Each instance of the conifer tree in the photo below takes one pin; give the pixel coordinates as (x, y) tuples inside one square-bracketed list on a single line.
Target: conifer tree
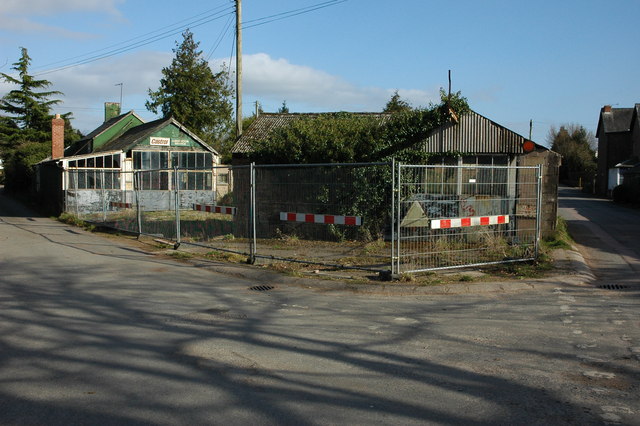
[(192, 94), (28, 105)]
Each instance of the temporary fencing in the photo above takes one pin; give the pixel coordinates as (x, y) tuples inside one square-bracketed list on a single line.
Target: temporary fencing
[(460, 216), (371, 216)]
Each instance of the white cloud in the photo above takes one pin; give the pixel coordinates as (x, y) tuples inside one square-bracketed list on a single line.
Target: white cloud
[(23, 25), (87, 87), (18, 15), (268, 80), (49, 7), (272, 80)]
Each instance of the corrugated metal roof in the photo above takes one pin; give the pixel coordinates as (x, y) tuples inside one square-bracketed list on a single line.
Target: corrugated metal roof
[(266, 123), (475, 134)]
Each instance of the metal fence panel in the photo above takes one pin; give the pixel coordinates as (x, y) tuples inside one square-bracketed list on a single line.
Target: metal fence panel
[(217, 218), (456, 216), (335, 214), (342, 215), (98, 196)]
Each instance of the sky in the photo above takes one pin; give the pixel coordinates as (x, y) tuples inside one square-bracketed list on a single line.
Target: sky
[(553, 62)]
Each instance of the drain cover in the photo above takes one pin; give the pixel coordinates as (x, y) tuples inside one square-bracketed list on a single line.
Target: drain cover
[(613, 286), (261, 288)]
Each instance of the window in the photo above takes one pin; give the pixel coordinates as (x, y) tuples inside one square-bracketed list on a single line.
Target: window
[(192, 160), (195, 181), (223, 179), (150, 160), (153, 180)]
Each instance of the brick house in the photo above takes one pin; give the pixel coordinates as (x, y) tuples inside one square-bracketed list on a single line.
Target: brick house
[(618, 136)]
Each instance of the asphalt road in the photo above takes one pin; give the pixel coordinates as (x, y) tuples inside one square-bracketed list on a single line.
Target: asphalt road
[(608, 235), (95, 331)]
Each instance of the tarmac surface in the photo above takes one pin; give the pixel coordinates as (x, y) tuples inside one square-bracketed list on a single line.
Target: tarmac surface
[(95, 330)]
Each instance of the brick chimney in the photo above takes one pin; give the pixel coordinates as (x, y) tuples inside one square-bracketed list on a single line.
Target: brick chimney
[(606, 108), (57, 137)]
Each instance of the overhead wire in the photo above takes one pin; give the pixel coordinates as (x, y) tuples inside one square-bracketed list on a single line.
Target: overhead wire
[(295, 12), (176, 29), (144, 42), (164, 29), (221, 37)]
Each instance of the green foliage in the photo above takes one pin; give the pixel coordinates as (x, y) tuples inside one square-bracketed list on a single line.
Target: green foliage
[(195, 96), (561, 238), (574, 143), (396, 104), (28, 105), (284, 109), (347, 138), (344, 137), (25, 133), (19, 162)]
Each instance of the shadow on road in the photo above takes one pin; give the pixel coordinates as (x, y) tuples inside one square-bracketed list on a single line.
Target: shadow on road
[(115, 349), (10, 207)]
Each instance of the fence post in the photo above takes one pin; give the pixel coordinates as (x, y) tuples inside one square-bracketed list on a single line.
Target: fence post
[(104, 200), (398, 235), (538, 209), (252, 214), (176, 191), (393, 216), (75, 193), (136, 191)]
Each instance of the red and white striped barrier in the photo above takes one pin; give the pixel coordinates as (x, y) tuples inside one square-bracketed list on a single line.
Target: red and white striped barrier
[(321, 218), (461, 222), (121, 205), (215, 209)]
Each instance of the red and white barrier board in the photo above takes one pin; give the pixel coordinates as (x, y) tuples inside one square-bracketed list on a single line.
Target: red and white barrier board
[(215, 209), (461, 222), (321, 218), (121, 205)]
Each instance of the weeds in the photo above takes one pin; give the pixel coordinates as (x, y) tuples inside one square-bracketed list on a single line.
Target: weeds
[(181, 255)]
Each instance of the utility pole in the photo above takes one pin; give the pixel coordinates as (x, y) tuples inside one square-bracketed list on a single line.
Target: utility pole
[(238, 68), (530, 128)]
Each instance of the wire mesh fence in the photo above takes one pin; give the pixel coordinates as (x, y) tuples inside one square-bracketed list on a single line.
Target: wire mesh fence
[(454, 216), (341, 215), (336, 214)]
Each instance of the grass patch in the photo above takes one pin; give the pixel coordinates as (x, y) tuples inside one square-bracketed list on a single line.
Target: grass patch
[(561, 238), (181, 255), (226, 256), (72, 220)]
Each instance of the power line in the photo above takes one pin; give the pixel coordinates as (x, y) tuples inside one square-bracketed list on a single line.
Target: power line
[(220, 37), (290, 13), (226, 11), (136, 45), (163, 30)]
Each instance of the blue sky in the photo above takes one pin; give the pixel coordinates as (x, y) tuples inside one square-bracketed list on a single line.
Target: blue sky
[(549, 61)]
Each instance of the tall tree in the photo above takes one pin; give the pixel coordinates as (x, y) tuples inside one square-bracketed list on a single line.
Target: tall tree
[(25, 132), (194, 95), (397, 104), (575, 144), (284, 109), (28, 105)]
